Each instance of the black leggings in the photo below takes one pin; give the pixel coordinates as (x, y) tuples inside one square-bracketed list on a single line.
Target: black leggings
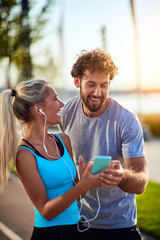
[(131, 233), (65, 232)]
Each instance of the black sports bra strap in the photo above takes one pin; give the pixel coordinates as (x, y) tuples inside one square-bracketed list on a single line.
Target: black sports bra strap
[(58, 142), (56, 138), (29, 144)]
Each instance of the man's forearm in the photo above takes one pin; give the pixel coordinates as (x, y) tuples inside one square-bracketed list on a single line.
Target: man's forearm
[(134, 182)]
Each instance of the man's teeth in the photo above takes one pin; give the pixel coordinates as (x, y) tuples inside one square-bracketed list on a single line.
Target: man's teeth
[(95, 100)]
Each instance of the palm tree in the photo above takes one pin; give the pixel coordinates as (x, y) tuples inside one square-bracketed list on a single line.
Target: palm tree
[(137, 61)]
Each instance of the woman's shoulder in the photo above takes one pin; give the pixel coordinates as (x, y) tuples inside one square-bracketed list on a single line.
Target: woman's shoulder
[(65, 138), (24, 159)]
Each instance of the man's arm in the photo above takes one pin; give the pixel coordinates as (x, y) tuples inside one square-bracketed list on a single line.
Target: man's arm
[(133, 179)]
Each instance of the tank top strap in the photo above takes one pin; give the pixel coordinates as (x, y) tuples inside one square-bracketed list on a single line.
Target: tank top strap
[(23, 146), (57, 136), (58, 141), (36, 152)]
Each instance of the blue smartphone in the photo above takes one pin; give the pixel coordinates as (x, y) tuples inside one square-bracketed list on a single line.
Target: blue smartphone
[(99, 163)]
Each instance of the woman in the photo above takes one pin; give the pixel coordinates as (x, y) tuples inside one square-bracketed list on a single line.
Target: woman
[(43, 161)]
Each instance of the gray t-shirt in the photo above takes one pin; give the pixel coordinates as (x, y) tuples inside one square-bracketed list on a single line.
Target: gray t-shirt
[(117, 133)]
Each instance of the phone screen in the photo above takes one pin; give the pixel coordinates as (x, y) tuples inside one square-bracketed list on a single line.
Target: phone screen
[(99, 163)]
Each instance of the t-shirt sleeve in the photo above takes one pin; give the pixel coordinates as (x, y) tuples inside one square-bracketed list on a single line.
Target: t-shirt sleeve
[(132, 137)]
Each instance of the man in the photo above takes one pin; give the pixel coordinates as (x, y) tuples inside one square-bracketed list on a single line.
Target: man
[(99, 125)]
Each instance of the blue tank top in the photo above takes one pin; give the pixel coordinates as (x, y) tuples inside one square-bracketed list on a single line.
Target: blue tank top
[(58, 178)]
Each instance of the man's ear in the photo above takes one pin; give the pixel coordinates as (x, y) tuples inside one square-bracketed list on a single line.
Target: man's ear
[(77, 82)]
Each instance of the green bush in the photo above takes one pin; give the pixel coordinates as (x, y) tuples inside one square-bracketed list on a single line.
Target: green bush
[(148, 209), (12, 168)]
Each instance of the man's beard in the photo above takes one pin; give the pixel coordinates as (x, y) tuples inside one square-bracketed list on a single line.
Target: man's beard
[(91, 107)]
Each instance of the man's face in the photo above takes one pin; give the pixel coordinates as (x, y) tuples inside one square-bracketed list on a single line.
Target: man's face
[(94, 89)]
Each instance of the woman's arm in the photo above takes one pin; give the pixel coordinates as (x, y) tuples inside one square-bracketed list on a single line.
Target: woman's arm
[(34, 186)]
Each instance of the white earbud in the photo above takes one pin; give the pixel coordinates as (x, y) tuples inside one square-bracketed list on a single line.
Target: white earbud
[(40, 110)]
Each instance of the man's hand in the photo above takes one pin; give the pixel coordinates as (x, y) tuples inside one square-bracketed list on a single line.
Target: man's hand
[(112, 175)]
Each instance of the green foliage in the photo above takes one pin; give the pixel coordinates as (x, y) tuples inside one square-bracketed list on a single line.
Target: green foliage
[(9, 24), (148, 207), (20, 26), (12, 168)]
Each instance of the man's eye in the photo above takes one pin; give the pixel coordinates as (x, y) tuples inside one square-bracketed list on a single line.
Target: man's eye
[(105, 85)]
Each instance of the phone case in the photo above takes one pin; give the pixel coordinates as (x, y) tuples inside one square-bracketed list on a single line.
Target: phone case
[(99, 163)]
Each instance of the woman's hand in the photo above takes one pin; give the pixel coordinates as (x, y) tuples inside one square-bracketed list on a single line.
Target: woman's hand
[(82, 166), (89, 180)]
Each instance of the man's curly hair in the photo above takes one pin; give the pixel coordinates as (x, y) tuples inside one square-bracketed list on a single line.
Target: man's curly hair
[(94, 61)]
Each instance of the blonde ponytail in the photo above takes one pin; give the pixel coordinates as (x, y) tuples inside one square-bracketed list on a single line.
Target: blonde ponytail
[(27, 94), (8, 136)]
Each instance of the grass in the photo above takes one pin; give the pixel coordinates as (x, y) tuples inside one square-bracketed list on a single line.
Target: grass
[(148, 210)]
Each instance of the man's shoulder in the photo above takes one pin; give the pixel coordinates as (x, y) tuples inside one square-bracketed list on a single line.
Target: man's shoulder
[(122, 107), (122, 111), (71, 104), (69, 110)]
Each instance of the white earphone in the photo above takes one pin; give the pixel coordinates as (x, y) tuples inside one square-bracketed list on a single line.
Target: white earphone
[(99, 205), (40, 110)]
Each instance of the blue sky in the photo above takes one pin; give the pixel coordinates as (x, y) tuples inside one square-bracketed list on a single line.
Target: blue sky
[(83, 20), (82, 23)]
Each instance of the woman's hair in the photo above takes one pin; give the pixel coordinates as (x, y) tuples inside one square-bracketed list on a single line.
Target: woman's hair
[(94, 61), (17, 103)]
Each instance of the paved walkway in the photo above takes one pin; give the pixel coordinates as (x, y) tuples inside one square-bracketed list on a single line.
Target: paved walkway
[(16, 210), (153, 158)]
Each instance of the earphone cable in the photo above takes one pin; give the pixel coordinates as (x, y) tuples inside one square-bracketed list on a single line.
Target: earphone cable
[(44, 136), (81, 216)]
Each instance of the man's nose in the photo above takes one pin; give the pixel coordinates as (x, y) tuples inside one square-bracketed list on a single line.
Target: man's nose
[(97, 91)]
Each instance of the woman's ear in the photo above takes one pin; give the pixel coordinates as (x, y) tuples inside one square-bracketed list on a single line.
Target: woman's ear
[(36, 109), (77, 82)]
